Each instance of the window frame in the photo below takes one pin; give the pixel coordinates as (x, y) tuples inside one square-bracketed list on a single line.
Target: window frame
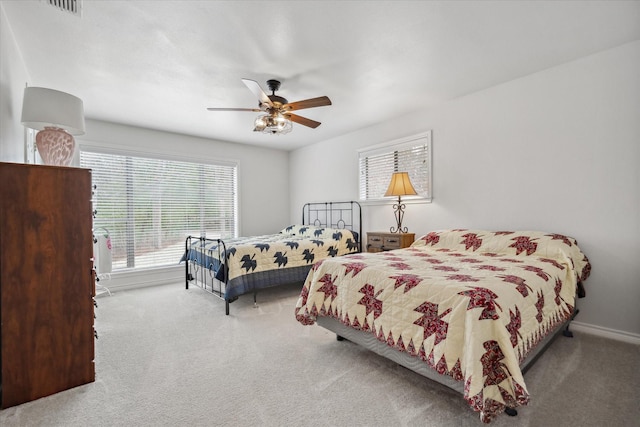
[(207, 161), (395, 146)]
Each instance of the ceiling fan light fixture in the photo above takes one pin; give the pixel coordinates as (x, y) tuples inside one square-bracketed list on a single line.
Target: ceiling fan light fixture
[(276, 117), (260, 123), (274, 124)]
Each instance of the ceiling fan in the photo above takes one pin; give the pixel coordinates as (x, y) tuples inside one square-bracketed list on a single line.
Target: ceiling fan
[(277, 115)]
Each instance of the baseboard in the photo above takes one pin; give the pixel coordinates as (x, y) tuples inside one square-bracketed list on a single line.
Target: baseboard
[(605, 332), (110, 288), (121, 281)]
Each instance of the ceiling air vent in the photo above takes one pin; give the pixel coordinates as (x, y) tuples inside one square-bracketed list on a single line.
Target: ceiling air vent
[(74, 7)]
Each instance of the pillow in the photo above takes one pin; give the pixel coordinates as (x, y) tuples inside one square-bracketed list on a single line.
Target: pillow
[(302, 230), (513, 243), (313, 232)]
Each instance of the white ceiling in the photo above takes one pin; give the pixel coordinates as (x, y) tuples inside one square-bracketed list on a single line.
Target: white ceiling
[(159, 64)]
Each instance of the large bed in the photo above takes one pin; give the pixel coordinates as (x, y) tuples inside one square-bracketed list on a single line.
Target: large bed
[(229, 268), (471, 309)]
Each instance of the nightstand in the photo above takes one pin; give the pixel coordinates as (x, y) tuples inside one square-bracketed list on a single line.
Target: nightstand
[(382, 241)]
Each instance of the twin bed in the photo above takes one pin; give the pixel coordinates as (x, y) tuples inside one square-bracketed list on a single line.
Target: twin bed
[(471, 309), (230, 268)]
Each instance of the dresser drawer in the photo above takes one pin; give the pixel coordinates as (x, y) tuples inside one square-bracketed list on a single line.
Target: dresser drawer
[(377, 242)]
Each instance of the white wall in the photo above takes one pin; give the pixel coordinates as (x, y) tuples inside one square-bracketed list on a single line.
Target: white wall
[(13, 77), (555, 151)]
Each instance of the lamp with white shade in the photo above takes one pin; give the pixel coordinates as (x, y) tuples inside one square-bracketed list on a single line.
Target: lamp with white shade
[(58, 116), (400, 185)]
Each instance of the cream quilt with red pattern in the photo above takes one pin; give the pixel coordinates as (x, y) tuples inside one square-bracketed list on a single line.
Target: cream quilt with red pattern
[(470, 303)]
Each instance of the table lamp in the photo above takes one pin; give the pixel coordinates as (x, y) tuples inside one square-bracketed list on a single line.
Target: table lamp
[(58, 116), (400, 185)]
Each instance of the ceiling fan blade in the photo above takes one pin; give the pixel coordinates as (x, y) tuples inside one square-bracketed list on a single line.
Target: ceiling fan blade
[(302, 120), (307, 103), (257, 91), (234, 109)]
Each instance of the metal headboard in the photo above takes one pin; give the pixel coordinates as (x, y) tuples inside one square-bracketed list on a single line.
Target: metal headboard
[(346, 215)]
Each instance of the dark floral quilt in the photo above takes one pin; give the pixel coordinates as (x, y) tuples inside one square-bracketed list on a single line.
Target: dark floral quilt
[(294, 246)]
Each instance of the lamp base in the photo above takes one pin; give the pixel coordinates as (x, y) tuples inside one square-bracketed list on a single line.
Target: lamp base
[(56, 146), (398, 211)]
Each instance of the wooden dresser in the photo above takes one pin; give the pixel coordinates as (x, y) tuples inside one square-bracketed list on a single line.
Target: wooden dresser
[(46, 281), (384, 241)]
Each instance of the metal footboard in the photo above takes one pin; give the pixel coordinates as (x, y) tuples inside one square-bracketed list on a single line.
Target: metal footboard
[(199, 267), (201, 263)]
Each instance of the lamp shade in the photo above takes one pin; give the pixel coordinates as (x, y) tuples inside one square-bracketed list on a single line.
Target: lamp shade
[(42, 107), (400, 185)]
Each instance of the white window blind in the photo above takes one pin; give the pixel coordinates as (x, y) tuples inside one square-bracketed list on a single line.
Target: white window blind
[(377, 164), (149, 206)]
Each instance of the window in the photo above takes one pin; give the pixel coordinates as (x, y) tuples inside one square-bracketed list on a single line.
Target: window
[(149, 205), (377, 164)]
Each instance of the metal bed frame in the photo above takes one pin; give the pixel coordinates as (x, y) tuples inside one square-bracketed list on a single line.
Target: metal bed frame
[(341, 215)]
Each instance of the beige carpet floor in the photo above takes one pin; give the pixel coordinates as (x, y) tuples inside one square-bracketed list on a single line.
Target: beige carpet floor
[(167, 356)]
